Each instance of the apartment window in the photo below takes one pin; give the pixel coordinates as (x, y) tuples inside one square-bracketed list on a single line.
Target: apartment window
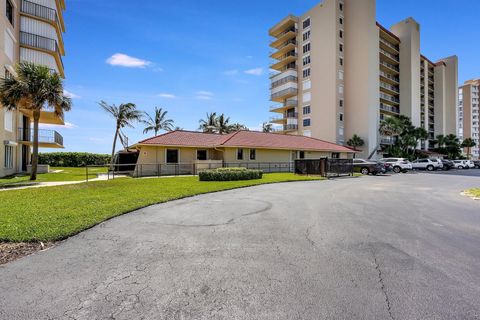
[(8, 157), (340, 75), (341, 131), (306, 60), (306, 122), (307, 97), (301, 154), (335, 155), (341, 61), (8, 120), (306, 35), (340, 20), (253, 154), (306, 73), (306, 48), (202, 155), (172, 156), (8, 74), (340, 103), (341, 117), (306, 110), (307, 85), (341, 34), (10, 11), (239, 154), (306, 23), (340, 89), (341, 47), (341, 6)]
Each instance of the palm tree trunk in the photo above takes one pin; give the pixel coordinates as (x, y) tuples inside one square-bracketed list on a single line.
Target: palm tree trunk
[(114, 147), (36, 119)]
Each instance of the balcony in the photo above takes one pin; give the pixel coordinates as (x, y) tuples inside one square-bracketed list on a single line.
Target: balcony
[(393, 58), (286, 128), (289, 34), (46, 138), (284, 94), (45, 117), (44, 44), (389, 46), (389, 67), (283, 49), (45, 13), (288, 104), (283, 81), (285, 60), (387, 140), (389, 98), (389, 88), (390, 78), (287, 23), (390, 109), (290, 118)]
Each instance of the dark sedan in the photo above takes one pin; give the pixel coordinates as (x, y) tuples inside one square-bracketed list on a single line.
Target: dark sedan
[(447, 164), (368, 167)]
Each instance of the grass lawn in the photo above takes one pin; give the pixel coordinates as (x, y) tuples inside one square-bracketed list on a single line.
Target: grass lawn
[(55, 213), (66, 174), (474, 192)]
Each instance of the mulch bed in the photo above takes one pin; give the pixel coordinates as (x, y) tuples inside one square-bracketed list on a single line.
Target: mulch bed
[(13, 251)]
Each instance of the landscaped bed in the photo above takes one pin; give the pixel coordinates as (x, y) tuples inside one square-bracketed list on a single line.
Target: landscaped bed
[(55, 213), (473, 193)]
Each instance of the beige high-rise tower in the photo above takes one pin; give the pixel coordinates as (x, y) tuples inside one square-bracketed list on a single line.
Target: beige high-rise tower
[(338, 72), (30, 31), (469, 114)]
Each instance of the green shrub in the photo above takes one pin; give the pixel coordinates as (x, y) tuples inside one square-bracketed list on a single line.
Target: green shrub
[(73, 159), (230, 174)]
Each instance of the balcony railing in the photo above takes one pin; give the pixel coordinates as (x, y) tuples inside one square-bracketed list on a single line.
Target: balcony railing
[(40, 11), (391, 56), (44, 136), (389, 97), (389, 87), (388, 44), (388, 108), (389, 76), (44, 43), (285, 92), (283, 81), (287, 127), (389, 65)]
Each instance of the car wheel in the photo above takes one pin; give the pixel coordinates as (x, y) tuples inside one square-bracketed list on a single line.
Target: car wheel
[(365, 171), (460, 167), (397, 169), (430, 168)]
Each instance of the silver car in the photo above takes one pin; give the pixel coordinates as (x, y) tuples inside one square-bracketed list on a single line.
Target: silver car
[(427, 164)]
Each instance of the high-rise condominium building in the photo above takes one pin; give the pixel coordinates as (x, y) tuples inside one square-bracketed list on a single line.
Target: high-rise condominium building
[(468, 114), (337, 72), (30, 31)]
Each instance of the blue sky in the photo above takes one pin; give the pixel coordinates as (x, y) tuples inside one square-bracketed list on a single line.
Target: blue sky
[(192, 57)]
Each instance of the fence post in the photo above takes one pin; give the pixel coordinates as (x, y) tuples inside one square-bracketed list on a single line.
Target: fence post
[(86, 172)]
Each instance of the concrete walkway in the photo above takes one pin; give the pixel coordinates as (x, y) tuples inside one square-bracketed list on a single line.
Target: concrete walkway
[(388, 247)]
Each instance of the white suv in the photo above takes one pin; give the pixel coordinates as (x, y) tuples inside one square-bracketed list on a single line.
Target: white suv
[(463, 164), (398, 164), (427, 164)]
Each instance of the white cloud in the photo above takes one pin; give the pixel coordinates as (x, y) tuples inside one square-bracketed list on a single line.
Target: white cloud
[(70, 95), (67, 125), (254, 72), (70, 125), (249, 57), (123, 60), (230, 72), (204, 95), (167, 95)]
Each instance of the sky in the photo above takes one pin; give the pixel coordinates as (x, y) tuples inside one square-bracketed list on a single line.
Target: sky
[(191, 57)]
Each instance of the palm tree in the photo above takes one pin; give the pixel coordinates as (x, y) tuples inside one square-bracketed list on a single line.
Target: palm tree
[(36, 89), (267, 127), (355, 142), (223, 124), (390, 127), (124, 115), (441, 140), (157, 122), (209, 125), (177, 129), (237, 127), (468, 143)]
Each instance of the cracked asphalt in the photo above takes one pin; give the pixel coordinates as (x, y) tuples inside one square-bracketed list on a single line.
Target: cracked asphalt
[(389, 247)]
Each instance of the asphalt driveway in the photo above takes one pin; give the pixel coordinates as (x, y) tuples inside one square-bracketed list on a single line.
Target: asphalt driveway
[(391, 247)]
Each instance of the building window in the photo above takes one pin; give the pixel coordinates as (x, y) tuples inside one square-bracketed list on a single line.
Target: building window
[(8, 74), (306, 110), (341, 61), (341, 20), (10, 11), (306, 122), (341, 47), (239, 154), (306, 73), (341, 6), (8, 121), (340, 75), (306, 48), (306, 35), (335, 155), (307, 84), (172, 156), (253, 154), (341, 34), (202, 155), (301, 154), (340, 89), (341, 131), (306, 60), (341, 117), (307, 97), (8, 157), (306, 23), (340, 103)]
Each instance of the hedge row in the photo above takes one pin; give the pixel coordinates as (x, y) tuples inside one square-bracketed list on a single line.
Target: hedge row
[(73, 159), (230, 174)]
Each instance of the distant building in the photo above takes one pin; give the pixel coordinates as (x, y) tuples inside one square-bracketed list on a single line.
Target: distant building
[(337, 72), (468, 114)]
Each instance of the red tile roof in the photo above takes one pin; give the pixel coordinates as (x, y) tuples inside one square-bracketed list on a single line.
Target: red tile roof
[(247, 139)]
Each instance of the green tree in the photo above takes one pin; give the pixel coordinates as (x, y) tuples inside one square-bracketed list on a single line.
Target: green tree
[(37, 89), (223, 124), (453, 146), (125, 115), (468, 143), (267, 127), (209, 124), (237, 127), (440, 140), (355, 142), (158, 122)]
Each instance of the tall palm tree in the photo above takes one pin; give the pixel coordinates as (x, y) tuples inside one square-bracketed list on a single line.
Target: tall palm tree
[(35, 88), (267, 127), (237, 127), (355, 142), (468, 143), (124, 115), (158, 122), (209, 124), (223, 125), (441, 140), (390, 127)]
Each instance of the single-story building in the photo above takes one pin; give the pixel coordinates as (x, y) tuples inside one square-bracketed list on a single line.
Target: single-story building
[(186, 152)]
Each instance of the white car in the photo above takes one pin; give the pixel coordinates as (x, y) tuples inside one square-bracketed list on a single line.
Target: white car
[(463, 164), (427, 164), (398, 164)]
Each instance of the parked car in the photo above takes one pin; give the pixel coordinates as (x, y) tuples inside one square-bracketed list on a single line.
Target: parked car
[(398, 164), (477, 164), (470, 164), (463, 164), (366, 167), (447, 164), (427, 164)]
